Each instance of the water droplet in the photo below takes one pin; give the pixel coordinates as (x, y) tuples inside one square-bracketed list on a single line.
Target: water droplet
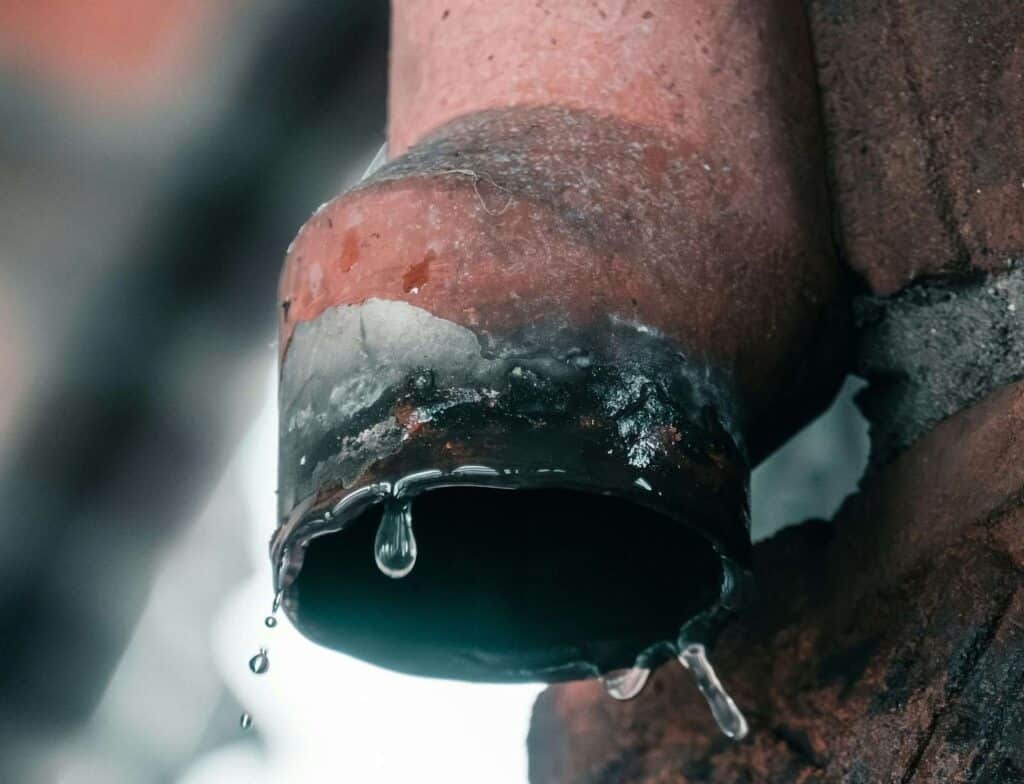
[(270, 621), (730, 720), (259, 663), (625, 684), (245, 721), (395, 546), (277, 601)]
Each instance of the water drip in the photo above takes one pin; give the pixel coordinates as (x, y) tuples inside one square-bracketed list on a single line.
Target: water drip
[(625, 684), (730, 719), (259, 663), (395, 545)]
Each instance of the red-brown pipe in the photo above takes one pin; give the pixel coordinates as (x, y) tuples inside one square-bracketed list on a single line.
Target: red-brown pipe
[(690, 176), (563, 173), (706, 73)]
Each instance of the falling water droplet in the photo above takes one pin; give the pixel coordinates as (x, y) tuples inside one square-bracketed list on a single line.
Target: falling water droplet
[(395, 546), (259, 663), (730, 720), (271, 620), (625, 684), (245, 721)]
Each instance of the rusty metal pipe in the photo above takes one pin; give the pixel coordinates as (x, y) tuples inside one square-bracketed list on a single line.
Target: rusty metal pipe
[(597, 273)]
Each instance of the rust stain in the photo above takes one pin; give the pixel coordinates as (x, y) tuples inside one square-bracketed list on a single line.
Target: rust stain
[(418, 274), (349, 251), (407, 419)]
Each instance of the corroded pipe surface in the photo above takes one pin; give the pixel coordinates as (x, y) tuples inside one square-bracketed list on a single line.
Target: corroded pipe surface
[(598, 266)]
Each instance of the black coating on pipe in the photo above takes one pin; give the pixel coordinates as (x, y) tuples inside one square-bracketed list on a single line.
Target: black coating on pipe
[(615, 423)]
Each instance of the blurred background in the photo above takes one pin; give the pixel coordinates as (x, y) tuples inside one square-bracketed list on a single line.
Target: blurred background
[(155, 161)]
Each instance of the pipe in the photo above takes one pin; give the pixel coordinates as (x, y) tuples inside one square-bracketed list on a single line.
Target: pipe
[(594, 285)]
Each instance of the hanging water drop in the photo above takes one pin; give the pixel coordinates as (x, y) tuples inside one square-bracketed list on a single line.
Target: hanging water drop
[(259, 663), (395, 546), (270, 621), (245, 721), (625, 684), (730, 719), (277, 602)]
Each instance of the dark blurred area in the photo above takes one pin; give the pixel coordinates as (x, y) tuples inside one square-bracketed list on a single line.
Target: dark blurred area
[(155, 161)]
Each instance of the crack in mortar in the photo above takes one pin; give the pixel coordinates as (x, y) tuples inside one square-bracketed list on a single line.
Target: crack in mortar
[(933, 350)]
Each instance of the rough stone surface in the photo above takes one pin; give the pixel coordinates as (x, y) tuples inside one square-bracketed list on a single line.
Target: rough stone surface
[(923, 102), (888, 647), (932, 350)]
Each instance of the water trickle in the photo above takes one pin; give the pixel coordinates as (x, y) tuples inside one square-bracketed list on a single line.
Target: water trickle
[(271, 620), (730, 720), (378, 160), (625, 684), (259, 663), (394, 548), (245, 721)]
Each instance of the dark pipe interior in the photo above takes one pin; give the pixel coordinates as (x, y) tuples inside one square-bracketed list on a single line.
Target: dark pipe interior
[(520, 574)]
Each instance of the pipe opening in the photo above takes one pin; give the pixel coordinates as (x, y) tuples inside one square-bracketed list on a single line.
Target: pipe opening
[(509, 581)]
